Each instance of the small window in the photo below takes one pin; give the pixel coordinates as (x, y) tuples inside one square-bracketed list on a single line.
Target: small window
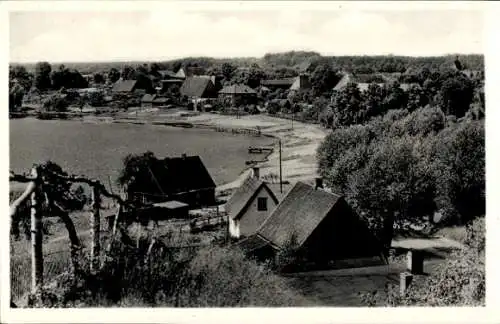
[(261, 204)]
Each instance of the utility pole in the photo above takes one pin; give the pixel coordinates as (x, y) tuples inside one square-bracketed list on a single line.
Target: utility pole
[(281, 179)]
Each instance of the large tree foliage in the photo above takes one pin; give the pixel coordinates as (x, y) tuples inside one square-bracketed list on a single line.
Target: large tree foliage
[(42, 79), (65, 78), (323, 79), (401, 168)]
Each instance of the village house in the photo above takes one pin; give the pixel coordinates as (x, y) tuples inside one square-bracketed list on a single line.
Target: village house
[(183, 178), (249, 206), (238, 94), (324, 228), (197, 88)]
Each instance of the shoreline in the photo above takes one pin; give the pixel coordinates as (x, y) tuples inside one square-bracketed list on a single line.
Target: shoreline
[(299, 143)]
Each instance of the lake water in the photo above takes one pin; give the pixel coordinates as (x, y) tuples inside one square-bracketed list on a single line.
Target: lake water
[(97, 150)]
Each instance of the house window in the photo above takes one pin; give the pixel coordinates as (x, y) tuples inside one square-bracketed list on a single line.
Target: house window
[(261, 204)]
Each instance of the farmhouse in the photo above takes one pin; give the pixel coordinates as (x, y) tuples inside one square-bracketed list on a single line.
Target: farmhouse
[(249, 206), (323, 225), (238, 94), (184, 179), (198, 87)]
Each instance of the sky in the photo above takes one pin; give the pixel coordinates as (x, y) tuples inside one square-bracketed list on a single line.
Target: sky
[(77, 36)]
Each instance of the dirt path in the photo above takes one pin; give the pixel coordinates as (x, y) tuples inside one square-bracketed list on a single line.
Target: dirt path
[(299, 144)]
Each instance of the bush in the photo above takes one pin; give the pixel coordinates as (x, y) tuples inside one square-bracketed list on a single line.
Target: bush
[(459, 281), (208, 277)]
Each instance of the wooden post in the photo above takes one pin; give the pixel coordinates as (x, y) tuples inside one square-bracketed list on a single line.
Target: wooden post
[(36, 238), (281, 177), (95, 229), (405, 280)]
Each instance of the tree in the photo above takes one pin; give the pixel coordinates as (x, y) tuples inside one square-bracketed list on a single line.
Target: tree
[(227, 70), (348, 106), (138, 174), (56, 103), (68, 79), (459, 153), (457, 93), (42, 79), (128, 73), (99, 78), (94, 98), (113, 75), (395, 97), (323, 79), (16, 94), (22, 76)]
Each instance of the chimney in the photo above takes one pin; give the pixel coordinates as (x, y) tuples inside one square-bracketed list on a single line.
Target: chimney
[(256, 172), (319, 183)]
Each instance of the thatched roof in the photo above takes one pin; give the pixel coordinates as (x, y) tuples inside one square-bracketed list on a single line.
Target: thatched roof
[(244, 195), (300, 212)]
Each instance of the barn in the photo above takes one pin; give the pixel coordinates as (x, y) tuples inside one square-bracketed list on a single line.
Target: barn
[(325, 229)]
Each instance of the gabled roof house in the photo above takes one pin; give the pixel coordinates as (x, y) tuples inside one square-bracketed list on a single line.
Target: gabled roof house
[(323, 225), (249, 206), (197, 87)]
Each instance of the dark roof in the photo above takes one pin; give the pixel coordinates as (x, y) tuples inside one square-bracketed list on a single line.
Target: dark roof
[(237, 89), (124, 86), (244, 195), (281, 82), (148, 98), (300, 212), (196, 87), (253, 243), (176, 175)]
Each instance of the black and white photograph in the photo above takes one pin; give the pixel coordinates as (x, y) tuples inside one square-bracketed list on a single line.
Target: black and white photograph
[(235, 155)]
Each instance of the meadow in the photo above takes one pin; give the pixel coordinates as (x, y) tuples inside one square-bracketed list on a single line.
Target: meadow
[(97, 150)]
